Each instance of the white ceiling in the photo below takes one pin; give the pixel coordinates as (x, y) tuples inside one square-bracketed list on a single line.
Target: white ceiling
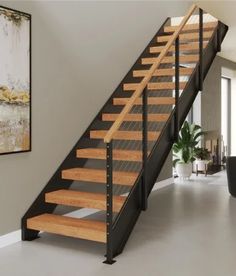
[(225, 11)]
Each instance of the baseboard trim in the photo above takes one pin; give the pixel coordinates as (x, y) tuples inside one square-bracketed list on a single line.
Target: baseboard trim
[(14, 237), (10, 238), (163, 183)]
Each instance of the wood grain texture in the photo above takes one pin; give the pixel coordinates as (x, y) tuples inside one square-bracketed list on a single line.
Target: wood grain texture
[(154, 86), (163, 72), (83, 199), (72, 227), (182, 47), (147, 78), (186, 36), (192, 27), (182, 59), (95, 153), (99, 176), (151, 100), (125, 135), (137, 117)]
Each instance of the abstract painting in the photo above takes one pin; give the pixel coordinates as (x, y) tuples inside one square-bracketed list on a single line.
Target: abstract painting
[(15, 81)]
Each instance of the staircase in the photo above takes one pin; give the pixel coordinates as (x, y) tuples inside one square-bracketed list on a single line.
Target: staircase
[(114, 165)]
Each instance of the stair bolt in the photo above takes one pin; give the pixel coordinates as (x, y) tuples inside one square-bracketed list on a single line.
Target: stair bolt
[(109, 203)]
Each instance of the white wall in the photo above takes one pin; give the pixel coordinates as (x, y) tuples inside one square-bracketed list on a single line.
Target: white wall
[(211, 97), (233, 115), (197, 109), (231, 74), (81, 50)]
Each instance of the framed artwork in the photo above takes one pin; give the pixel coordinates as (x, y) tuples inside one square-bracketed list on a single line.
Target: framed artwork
[(15, 81)]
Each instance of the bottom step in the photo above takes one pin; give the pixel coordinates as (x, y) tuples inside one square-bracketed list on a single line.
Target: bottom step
[(72, 227)]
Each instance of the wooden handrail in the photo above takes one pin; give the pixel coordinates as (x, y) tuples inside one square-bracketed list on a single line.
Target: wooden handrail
[(146, 79)]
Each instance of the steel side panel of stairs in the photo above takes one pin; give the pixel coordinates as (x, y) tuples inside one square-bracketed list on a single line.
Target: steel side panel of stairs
[(39, 206), (130, 212)]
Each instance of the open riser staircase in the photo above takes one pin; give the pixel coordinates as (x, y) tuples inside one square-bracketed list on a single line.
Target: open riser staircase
[(114, 165)]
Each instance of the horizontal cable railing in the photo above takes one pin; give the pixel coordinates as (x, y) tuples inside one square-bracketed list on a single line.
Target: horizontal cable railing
[(137, 93)]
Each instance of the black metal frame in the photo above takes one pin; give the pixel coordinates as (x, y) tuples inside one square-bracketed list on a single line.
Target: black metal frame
[(109, 212), (126, 219), (144, 148), (200, 49), (39, 206), (219, 36), (118, 231), (30, 79), (176, 134)]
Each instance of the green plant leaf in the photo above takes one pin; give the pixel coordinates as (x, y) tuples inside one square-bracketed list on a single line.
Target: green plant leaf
[(198, 135), (185, 149), (196, 127), (175, 162), (186, 155), (192, 159)]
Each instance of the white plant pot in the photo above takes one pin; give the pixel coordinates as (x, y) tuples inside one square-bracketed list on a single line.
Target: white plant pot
[(200, 164), (184, 171)]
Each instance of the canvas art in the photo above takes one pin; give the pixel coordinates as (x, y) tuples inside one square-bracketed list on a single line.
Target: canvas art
[(15, 81)]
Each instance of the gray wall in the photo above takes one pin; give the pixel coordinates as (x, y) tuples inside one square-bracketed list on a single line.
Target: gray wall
[(81, 50), (211, 96)]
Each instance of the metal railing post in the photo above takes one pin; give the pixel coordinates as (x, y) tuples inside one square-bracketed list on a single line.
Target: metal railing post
[(176, 130), (200, 50), (218, 37), (144, 149), (109, 203)]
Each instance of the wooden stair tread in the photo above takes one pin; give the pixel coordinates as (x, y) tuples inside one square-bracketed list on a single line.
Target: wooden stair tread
[(95, 153), (83, 199), (154, 86), (185, 36), (72, 227), (136, 117), (125, 135), (99, 176), (163, 72), (182, 47), (191, 27), (151, 100), (171, 59)]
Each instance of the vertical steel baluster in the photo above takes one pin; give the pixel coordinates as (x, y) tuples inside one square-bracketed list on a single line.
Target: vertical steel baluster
[(109, 202), (218, 37), (144, 148), (176, 130), (200, 50)]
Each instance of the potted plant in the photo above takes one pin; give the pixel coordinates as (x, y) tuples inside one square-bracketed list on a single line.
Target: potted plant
[(202, 158), (184, 149)]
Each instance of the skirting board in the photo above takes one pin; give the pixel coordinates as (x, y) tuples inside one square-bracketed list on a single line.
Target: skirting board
[(15, 236), (163, 183), (10, 238)]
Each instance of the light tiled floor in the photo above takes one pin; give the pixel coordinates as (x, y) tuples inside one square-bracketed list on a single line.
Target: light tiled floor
[(189, 229)]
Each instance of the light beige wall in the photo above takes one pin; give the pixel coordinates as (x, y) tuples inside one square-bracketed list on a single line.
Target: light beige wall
[(211, 96), (81, 50)]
